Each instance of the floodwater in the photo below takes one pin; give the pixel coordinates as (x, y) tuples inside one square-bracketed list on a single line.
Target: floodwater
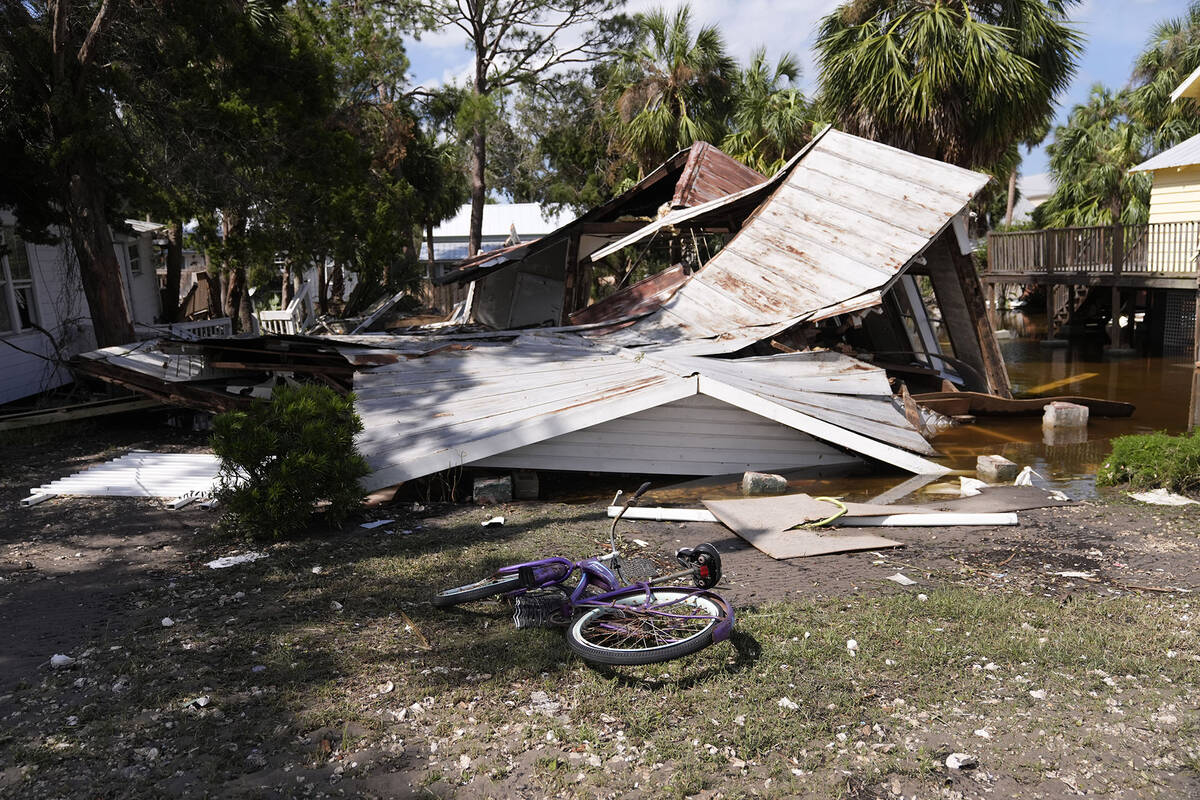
[(1162, 388)]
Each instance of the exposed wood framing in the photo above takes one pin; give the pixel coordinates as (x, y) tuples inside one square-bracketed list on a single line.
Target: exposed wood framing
[(572, 279)]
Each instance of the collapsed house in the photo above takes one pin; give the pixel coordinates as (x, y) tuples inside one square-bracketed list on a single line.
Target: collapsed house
[(546, 280), (679, 374)]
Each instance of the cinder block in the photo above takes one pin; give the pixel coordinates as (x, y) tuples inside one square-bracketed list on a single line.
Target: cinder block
[(525, 485), (995, 469), (1064, 415), (489, 491), (763, 483)]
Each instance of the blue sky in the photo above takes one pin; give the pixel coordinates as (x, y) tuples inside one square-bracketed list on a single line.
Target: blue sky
[(1115, 31)]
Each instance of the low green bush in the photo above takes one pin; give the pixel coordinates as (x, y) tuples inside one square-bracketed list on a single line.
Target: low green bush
[(283, 456), (1154, 460)]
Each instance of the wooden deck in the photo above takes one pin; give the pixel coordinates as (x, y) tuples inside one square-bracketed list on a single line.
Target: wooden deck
[(1153, 256)]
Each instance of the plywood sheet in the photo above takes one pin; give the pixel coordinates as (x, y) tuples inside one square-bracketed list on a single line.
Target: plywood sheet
[(764, 523), (997, 499)]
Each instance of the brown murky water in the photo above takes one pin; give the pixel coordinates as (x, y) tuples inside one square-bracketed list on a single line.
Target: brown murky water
[(1161, 387)]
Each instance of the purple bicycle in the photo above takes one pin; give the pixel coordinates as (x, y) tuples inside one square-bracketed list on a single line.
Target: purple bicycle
[(620, 611)]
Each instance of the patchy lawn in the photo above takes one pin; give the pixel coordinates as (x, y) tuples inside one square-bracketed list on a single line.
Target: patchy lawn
[(324, 671)]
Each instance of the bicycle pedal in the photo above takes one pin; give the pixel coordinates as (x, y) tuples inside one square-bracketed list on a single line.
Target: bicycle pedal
[(634, 570), (538, 609)]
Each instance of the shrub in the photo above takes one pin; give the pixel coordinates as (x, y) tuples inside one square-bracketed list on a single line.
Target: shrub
[(283, 456), (1153, 460)]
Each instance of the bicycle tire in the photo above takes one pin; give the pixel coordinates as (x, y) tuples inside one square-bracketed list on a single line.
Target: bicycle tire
[(637, 643), (479, 590)]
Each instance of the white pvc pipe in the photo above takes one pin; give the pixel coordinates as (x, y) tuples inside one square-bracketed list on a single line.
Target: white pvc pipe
[(665, 514), (934, 519)]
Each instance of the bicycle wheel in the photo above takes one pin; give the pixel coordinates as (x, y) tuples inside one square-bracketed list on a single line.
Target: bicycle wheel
[(633, 628), (489, 586)]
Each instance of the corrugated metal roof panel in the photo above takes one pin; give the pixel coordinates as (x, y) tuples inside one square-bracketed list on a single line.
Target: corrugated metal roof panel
[(710, 174), (846, 220), (1185, 154), (456, 407)]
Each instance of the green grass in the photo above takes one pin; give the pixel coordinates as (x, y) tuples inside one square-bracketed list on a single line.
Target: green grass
[(926, 675), (1154, 460)]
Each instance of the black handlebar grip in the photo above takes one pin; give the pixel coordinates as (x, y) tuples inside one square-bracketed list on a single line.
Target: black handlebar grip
[(641, 491)]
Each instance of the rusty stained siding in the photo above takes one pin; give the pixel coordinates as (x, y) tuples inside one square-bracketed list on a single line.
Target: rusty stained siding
[(710, 174), (846, 221), (639, 298)]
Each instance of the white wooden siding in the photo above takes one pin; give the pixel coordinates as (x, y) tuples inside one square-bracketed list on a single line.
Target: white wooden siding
[(142, 294), (61, 308), (58, 301), (694, 436), (480, 402)]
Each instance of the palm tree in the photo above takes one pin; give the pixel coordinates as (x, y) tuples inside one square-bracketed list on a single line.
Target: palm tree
[(959, 81), (771, 118), (1171, 54), (672, 88), (1090, 160)]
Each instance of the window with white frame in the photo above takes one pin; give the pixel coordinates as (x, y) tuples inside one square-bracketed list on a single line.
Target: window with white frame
[(135, 257), (17, 308)]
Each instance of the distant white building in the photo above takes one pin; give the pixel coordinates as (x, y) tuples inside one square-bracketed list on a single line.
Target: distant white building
[(500, 220), (1033, 190), (44, 315)]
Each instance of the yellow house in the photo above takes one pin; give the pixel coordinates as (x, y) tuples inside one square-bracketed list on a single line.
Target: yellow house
[(1173, 239)]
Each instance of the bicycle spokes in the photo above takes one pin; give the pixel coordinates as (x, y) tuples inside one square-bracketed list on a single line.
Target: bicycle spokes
[(648, 626)]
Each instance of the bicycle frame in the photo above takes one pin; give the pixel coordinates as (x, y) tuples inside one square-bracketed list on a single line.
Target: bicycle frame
[(555, 571)]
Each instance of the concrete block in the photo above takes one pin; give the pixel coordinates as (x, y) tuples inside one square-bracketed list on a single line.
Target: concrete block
[(1064, 415), (995, 469), (763, 483), (525, 485), (489, 491)]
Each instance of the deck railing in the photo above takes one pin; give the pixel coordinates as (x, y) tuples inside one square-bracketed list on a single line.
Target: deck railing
[(291, 320), (1161, 248)]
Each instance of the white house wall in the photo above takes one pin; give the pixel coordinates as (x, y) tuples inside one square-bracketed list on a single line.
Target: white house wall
[(142, 294), (26, 365), (694, 436)]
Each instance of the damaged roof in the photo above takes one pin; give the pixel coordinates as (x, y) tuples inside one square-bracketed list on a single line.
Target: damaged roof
[(841, 222), (462, 406), (694, 176)]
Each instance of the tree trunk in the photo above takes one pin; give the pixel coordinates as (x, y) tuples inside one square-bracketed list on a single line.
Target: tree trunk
[(235, 289), (216, 295), (322, 287), (478, 187), (429, 241), (99, 269), (285, 290), (1012, 197), (245, 313), (170, 292), (337, 285)]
